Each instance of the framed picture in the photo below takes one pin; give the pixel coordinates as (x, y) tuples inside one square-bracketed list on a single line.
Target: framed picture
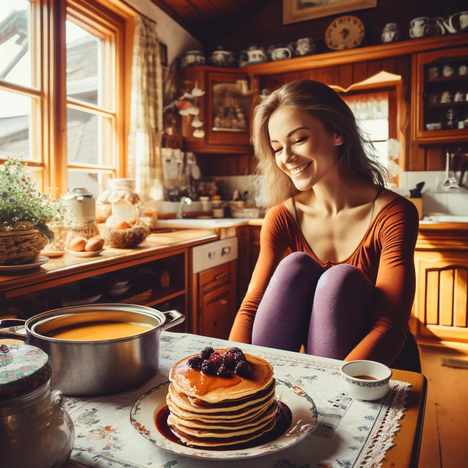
[(303, 10), (163, 54)]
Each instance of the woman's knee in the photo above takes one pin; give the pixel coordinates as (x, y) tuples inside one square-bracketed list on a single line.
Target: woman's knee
[(344, 277), (297, 264)]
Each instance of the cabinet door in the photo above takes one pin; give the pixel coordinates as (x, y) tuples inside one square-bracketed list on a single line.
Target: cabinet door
[(217, 300), (441, 296), (439, 96), (228, 110)]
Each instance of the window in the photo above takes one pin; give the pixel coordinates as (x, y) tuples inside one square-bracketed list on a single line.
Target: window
[(379, 108), (63, 81), (372, 113)]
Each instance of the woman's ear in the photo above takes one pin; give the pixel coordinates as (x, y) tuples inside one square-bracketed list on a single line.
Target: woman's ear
[(338, 139)]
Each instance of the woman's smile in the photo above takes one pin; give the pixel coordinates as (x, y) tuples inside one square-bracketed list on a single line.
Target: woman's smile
[(300, 169)]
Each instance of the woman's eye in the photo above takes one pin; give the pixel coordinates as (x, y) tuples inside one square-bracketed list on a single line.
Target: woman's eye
[(277, 150), (300, 139)]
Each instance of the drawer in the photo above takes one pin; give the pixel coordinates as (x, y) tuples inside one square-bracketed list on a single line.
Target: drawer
[(214, 254), (216, 277)]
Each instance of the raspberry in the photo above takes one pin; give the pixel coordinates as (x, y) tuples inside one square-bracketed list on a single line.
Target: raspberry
[(242, 368), (229, 360), (195, 362), (215, 359), (206, 353)]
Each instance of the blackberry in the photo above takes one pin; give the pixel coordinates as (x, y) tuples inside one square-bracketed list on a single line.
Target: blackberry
[(222, 371), (242, 368), (209, 368), (195, 362), (206, 353), (235, 350)]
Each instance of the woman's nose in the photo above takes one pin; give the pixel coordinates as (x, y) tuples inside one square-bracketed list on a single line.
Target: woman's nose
[(288, 155)]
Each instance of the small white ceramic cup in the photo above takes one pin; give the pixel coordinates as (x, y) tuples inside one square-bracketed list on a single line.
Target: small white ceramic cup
[(366, 380)]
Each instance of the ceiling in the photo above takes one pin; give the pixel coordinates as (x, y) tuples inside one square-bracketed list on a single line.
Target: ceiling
[(206, 19)]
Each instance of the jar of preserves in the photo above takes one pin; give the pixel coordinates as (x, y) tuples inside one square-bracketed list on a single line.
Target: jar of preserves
[(35, 429)]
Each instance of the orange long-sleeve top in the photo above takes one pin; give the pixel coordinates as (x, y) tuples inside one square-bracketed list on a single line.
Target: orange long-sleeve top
[(385, 255)]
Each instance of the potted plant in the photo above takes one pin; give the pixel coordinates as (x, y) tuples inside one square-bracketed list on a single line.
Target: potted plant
[(24, 213)]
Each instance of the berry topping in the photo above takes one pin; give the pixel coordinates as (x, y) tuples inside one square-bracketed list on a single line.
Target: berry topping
[(242, 368), (229, 360), (216, 359), (223, 371), (206, 353), (195, 362), (209, 368)]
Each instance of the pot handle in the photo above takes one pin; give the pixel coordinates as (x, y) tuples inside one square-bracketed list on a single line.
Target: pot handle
[(173, 318), (8, 325)]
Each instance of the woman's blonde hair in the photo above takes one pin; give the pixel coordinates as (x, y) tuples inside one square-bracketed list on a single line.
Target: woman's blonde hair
[(323, 103)]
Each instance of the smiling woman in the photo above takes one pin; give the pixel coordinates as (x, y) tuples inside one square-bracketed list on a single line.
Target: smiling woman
[(346, 286)]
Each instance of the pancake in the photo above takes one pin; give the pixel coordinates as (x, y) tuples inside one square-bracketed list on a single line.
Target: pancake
[(225, 403), (215, 389)]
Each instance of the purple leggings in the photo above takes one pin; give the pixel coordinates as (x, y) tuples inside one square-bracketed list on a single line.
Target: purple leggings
[(326, 311)]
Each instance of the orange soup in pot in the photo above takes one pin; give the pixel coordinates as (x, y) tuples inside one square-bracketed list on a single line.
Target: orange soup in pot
[(97, 331)]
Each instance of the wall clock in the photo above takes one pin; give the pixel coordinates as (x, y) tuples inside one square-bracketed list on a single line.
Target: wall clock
[(345, 32)]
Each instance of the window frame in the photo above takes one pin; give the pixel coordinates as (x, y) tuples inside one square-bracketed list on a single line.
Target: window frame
[(48, 137)]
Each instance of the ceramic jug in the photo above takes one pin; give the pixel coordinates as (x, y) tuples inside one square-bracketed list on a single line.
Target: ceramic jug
[(305, 46), (446, 25), (192, 58), (256, 55), (222, 58), (390, 33), (419, 27), (281, 53), (463, 20)]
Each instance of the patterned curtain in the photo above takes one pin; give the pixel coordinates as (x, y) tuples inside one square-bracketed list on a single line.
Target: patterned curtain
[(144, 145)]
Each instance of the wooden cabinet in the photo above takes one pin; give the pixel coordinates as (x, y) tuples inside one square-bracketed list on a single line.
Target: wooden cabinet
[(440, 310), (440, 96), (215, 292), (225, 110), (157, 280)]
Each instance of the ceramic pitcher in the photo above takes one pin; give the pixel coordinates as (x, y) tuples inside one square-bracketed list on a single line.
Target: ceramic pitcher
[(419, 27)]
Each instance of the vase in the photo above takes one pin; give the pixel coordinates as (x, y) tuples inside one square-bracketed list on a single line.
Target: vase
[(20, 246)]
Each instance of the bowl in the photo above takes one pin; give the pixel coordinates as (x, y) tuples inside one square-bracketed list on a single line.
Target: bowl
[(124, 238), (434, 126), (366, 380)]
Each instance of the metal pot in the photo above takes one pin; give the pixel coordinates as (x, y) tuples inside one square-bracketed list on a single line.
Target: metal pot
[(82, 368)]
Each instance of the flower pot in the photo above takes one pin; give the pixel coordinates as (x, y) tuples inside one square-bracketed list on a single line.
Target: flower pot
[(20, 246)]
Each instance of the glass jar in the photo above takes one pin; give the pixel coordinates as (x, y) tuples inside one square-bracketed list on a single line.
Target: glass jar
[(35, 429)]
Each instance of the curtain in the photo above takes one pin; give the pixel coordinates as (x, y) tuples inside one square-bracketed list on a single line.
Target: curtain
[(368, 106), (144, 145)]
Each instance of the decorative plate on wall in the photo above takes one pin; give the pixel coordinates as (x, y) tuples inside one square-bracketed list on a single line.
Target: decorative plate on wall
[(345, 32)]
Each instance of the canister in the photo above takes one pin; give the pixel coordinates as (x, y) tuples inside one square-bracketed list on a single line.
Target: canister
[(36, 431), (81, 203)]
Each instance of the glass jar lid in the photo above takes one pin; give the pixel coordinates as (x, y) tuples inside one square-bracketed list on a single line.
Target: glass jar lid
[(23, 369), (77, 192)]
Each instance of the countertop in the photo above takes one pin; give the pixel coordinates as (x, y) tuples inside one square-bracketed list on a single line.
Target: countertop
[(155, 245)]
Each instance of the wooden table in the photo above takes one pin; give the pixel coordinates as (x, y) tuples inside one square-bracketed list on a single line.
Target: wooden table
[(407, 440)]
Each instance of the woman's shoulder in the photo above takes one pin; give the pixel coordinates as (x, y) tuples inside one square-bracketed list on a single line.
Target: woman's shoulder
[(395, 209)]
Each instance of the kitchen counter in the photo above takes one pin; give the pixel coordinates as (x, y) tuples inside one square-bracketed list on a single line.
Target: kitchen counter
[(156, 245)]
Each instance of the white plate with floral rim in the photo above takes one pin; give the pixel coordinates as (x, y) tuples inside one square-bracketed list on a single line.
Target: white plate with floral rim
[(84, 253), (304, 421), (25, 266)]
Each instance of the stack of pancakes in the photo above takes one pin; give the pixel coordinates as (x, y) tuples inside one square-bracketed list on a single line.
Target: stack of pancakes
[(213, 412)]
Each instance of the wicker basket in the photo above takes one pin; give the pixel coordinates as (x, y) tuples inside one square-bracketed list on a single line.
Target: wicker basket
[(20, 246), (124, 238)]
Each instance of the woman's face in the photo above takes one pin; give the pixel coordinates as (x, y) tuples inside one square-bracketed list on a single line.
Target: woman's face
[(303, 148)]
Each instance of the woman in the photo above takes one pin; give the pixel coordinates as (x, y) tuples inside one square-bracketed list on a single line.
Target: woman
[(336, 265)]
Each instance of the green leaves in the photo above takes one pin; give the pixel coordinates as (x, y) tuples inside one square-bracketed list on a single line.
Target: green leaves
[(19, 198)]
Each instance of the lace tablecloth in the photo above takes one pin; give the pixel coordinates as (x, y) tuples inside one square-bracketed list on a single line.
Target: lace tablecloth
[(349, 432)]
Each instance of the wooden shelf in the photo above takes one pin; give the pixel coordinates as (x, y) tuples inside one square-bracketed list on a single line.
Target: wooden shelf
[(377, 52), (447, 104), (447, 78), (164, 295)]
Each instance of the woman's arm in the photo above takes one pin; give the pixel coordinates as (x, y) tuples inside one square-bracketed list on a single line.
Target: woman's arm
[(274, 245), (395, 287)]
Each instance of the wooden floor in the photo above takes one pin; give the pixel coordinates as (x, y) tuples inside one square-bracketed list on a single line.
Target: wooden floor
[(445, 431)]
